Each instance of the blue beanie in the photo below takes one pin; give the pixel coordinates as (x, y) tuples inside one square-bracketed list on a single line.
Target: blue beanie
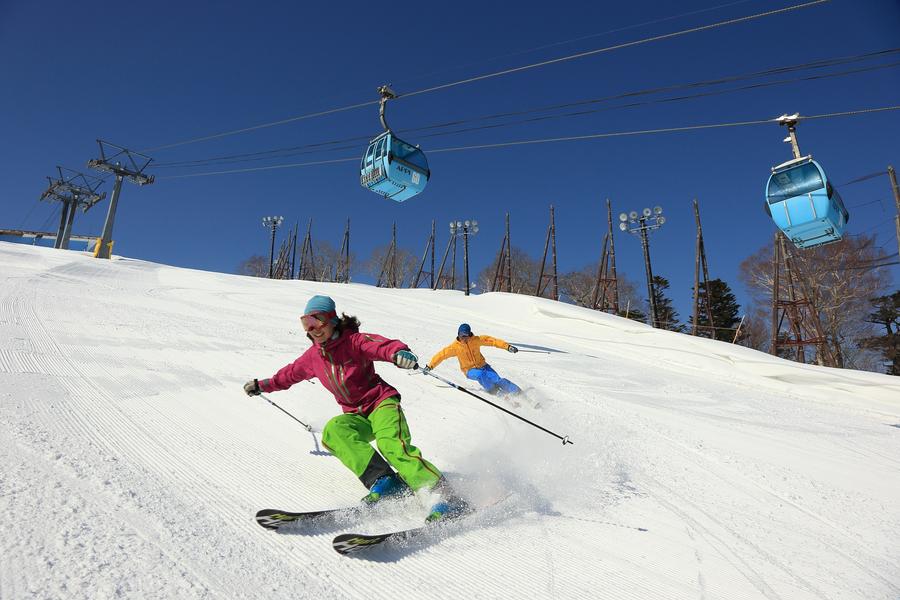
[(464, 329), (320, 304)]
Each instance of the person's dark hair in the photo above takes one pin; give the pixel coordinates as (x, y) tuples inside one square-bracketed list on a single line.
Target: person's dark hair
[(348, 323)]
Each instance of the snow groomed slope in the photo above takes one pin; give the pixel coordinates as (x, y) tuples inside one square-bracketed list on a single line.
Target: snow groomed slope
[(131, 462)]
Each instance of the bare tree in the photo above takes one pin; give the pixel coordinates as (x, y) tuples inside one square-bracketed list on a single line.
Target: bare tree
[(525, 271), (255, 266), (407, 264), (328, 260), (842, 279)]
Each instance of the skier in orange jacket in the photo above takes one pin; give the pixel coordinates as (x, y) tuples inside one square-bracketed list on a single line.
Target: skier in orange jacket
[(467, 349)]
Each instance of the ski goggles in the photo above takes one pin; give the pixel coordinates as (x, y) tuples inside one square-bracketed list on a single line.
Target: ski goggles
[(316, 320)]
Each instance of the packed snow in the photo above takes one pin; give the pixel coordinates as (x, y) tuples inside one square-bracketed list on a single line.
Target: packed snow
[(132, 463)]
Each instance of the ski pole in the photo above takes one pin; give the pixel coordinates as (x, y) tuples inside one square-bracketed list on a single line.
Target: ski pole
[(565, 439), (535, 351), (308, 427)]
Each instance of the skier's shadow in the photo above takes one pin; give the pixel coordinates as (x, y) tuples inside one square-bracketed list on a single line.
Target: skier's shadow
[(318, 451)]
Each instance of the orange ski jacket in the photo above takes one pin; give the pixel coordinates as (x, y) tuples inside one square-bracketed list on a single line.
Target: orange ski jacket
[(468, 351)]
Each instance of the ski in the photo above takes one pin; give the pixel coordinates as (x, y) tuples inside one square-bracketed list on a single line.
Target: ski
[(350, 543), (273, 518)]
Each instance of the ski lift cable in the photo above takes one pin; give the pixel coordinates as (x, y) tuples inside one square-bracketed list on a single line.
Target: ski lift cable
[(498, 73), (863, 178), (647, 40), (555, 139), (318, 146), (577, 39)]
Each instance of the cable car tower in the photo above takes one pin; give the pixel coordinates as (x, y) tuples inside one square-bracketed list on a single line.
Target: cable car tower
[(390, 166), (74, 192), (132, 171), (800, 199)]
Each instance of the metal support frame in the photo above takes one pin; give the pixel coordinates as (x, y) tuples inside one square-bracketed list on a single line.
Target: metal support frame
[(307, 267), (503, 274), (429, 246), (132, 170), (700, 263), (73, 191), (605, 295), (442, 280), (799, 310), (342, 274), (388, 275), (542, 278)]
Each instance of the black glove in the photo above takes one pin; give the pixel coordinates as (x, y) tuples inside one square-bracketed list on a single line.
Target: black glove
[(426, 370), (512, 349), (405, 359), (252, 388)]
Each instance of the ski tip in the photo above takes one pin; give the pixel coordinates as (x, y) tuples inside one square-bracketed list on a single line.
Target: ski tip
[(347, 543), (272, 519)]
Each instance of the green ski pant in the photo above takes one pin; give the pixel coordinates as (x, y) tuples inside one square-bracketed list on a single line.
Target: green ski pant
[(348, 437)]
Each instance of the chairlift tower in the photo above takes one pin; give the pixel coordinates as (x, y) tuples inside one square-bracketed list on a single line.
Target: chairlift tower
[(132, 170), (73, 191), (641, 225)]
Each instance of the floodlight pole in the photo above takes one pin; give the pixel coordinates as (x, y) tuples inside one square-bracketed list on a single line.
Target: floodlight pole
[(274, 223), (640, 225), (464, 228)]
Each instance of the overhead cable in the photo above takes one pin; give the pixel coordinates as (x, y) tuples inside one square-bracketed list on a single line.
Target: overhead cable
[(556, 139), (500, 73), (334, 144)]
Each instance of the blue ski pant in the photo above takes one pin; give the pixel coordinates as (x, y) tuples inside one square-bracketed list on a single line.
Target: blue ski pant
[(491, 381)]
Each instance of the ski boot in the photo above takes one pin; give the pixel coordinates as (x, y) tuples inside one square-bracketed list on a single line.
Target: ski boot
[(386, 486), (449, 505)]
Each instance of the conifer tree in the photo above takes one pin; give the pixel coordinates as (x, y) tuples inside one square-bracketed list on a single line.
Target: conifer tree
[(725, 311)]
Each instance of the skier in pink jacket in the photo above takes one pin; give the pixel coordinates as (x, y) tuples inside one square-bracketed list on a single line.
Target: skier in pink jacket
[(341, 358)]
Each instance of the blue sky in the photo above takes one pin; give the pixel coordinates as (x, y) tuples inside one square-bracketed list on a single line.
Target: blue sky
[(146, 76)]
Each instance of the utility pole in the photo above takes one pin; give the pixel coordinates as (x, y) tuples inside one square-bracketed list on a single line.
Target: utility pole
[(641, 225), (73, 191), (133, 171), (272, 223)]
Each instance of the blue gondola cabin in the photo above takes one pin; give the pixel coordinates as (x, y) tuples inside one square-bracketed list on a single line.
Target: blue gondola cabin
[(393, 168), (804, 204)]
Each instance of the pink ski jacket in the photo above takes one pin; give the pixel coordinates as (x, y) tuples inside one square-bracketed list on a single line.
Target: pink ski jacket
[(344, 366)]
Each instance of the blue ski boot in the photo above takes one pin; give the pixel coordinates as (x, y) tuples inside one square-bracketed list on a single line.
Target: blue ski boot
[(386, 486), (448, 506)]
